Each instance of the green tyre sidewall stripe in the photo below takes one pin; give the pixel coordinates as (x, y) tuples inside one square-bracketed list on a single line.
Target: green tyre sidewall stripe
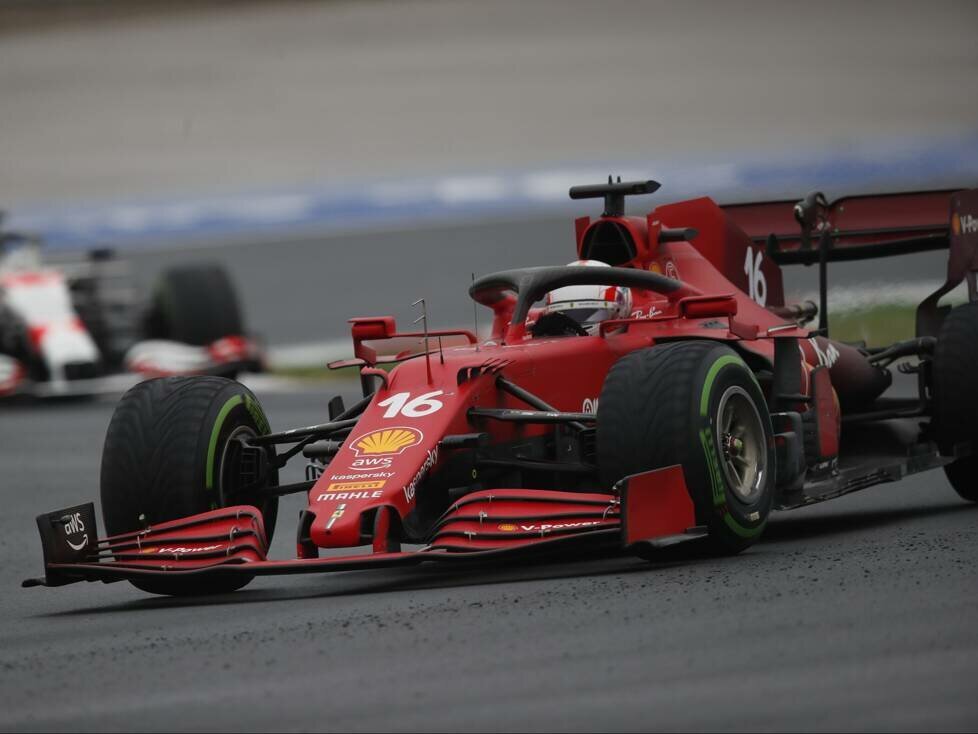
[(222, 415), (240, 407), (257, 415), (711, 376), (719, 491)]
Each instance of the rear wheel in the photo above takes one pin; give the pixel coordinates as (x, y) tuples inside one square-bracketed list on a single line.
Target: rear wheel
[(194, 304), (956, 394), (696, 404), (170, 452)]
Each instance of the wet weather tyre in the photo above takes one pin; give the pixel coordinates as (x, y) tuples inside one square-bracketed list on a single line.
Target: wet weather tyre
[(194, 304), (955, 389), (697, 404), (169, 453)]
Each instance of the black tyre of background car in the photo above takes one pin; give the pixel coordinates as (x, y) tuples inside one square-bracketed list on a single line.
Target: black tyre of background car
[(955, 388), (194, 304), (662, 406), (165, 458)]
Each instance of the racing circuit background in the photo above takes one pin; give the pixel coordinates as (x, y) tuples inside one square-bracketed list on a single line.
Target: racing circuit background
[(347, 158)]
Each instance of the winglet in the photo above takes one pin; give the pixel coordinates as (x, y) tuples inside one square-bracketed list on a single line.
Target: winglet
[(656, 508)]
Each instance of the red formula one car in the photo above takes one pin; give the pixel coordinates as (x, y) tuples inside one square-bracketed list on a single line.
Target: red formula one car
[(669, 395)]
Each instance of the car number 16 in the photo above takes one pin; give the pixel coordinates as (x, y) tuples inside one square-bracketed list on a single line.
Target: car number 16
[(756, 282), (402, 404)]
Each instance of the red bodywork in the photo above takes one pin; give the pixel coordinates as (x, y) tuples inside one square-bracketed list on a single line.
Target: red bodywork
[(391, 478)]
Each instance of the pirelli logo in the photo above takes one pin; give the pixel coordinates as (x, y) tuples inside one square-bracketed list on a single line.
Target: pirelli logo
[(356, 485)]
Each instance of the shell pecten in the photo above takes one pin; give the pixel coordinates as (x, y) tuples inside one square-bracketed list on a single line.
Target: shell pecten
[(387, 441)]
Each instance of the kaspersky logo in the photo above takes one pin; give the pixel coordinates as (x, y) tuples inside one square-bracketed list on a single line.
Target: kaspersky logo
[(966, 224), (387, 441)]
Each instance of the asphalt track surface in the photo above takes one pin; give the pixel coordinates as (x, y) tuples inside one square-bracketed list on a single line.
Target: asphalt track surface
[(858, 614)]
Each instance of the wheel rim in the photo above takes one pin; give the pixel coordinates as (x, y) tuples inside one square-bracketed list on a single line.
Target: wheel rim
[(224, 491), (742, 444)]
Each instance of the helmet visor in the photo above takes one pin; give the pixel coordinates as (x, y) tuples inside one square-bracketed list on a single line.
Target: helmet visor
[(589, 315)]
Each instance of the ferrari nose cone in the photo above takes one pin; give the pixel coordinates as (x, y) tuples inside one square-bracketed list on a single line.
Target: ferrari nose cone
[(65, 345)]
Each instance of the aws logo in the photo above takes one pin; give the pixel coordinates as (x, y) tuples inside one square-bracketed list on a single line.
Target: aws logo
[(387, 441), (372, 464), (74, 524)]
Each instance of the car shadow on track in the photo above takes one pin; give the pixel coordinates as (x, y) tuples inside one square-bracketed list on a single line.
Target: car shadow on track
[(579, 565), (381, 581)]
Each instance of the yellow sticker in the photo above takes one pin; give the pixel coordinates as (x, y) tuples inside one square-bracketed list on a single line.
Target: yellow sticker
[(357, 485)]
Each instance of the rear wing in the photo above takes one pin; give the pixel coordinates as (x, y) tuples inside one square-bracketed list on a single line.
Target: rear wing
[(862, 227), (855, 227)]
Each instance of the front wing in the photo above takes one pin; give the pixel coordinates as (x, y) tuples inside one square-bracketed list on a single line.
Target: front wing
[(652, 508), (144, 360)]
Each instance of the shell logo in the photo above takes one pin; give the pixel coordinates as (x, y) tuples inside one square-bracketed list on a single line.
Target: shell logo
[(387, 441), (956, 223), (506, 526)]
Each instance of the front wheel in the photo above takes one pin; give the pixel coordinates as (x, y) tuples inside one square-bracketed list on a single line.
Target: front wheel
[(696, 404), (170, 453)]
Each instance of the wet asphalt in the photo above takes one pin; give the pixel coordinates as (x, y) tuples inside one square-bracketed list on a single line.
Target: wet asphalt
[(858, 614)]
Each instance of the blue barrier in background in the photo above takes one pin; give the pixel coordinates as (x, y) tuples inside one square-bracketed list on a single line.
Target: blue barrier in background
[(386, 203)]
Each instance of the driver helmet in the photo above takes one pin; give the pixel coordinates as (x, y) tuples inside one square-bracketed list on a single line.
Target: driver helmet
[(18, 252), (589, 305)]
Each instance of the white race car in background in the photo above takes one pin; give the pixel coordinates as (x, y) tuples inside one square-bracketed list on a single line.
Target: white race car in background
[(80, 328)]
